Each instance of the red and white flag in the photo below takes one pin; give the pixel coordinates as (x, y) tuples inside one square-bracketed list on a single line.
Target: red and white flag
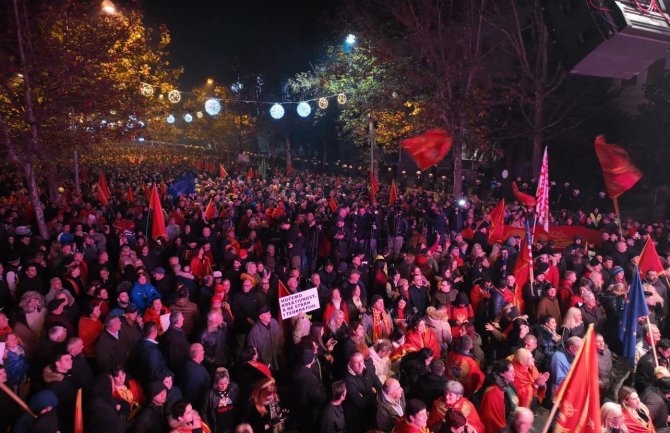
[(542, 201)]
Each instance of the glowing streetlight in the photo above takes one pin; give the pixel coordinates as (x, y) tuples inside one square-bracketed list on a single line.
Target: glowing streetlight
[(210, 81), (108, 7), (350, 39)]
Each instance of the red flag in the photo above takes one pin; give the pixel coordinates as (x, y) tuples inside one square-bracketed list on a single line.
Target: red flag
[(78, 414), (210, 212), (522, 269), (497, 228), (578, 397), (393, 195), (163, 190), (428, 148), (542, 194), (209, 167), (374, 187), (131, 195), (282, 292), (649, 260), (102, 184), (620, 174), (222, 171), (250, 173), (157, 218), (102, 198), (289, 168), (332, 204), (524, 198), (198, 164)]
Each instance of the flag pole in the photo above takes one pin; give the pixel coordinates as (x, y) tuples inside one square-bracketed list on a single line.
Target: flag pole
[(561, 390), (618, 214), (17, 399), (653, 343), (529, 241)]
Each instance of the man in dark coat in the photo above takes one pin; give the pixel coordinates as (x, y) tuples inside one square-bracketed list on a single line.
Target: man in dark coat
[(57, 378), (362, 389), (82, 372), (266, 336), (332, 418), (309, 393), (152, 418), (111, 350), (657, 400), (194, 380), (431, 385), (173, 343), (644, 375), (149, 359)]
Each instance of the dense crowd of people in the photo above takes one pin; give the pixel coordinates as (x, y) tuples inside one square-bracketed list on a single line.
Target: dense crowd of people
[(421, 326)]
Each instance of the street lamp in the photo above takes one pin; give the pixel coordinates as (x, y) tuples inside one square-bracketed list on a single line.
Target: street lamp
[(350, 39), (108, 7), (210, 81)]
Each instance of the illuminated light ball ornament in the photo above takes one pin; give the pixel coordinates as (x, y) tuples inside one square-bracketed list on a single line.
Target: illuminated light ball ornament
[(341, 98), (304, 109), (277, 111), (174, 96), (212, 106), (323, 103), (170, 119), (188, 118), (199, 115), (147, 89)]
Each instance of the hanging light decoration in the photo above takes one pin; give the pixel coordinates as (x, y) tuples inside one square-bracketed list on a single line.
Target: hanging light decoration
[(199, 114), (341, 98), (188, 118), (304, 109), (212, 106), (174, 96), (277, 111), (170, 119), (323, 103), (147, 90)]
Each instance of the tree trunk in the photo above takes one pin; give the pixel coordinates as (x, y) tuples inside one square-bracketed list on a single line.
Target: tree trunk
[(52, 183), (538, 121), (34, 140)]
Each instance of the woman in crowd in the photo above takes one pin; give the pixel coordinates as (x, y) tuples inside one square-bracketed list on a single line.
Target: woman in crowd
[(265, 413), (573, 325), (611, 418), (220, 406), (636, 416)]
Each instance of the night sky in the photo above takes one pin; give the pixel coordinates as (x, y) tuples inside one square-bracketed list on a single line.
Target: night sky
[(225, 39)]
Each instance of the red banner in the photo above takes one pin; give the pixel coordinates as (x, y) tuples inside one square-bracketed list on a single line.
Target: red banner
[(561, 235)]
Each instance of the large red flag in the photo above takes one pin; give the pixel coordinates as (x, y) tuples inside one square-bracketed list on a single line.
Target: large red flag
[(428, 148), (102, 198), (157, 218), (620, 174), (393, 195), (210, 211), (649, 260), (222, 171), (497, 227), (522, 269), (283, 291), (578, 397), (250, 173), (525, 199), (209, 167), (374, 187), (102, 185)]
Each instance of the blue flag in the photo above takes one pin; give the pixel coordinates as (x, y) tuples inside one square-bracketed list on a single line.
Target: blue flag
[(636, 307), (183, 186)]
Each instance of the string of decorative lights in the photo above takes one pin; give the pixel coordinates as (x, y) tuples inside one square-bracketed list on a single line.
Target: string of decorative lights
[(213, 104)]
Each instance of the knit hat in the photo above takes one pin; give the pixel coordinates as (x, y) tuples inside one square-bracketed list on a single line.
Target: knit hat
[(594, 262), (54, 304), (617, 270), (307, 356)]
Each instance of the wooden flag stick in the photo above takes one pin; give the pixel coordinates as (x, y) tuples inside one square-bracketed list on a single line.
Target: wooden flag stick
[(653, 344), (17, 399)]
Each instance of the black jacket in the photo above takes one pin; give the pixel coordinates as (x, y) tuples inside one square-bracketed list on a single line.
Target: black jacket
[(174, 346), (151, 419), (361, 399), (226, 411), (110, 352), (657, 405), (194, 382), (332, 419), (309, 395)]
